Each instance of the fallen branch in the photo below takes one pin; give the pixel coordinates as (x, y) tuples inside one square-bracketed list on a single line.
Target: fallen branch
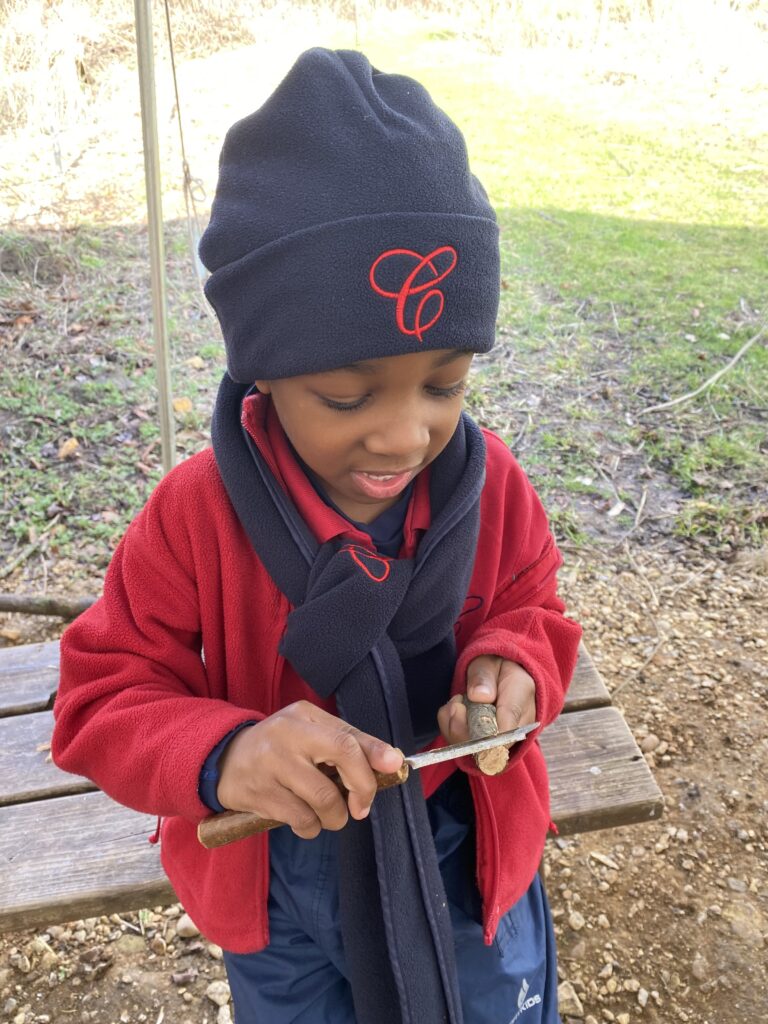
[(33, 604), (711, 380)]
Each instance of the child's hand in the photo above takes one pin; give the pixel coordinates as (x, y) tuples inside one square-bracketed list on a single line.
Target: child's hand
[(491, 680), (270, 768)]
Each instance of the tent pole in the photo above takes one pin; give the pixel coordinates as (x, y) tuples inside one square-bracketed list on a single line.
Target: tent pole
[(145, 52)]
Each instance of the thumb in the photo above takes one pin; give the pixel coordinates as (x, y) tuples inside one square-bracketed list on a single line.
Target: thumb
[(482, 675)]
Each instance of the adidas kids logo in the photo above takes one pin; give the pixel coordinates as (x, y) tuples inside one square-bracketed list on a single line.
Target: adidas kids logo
[(524, 1001)]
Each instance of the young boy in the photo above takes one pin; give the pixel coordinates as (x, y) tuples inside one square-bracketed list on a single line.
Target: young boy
[(324, 585)]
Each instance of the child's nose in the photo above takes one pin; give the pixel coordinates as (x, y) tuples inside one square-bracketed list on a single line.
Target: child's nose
[(400, 436)]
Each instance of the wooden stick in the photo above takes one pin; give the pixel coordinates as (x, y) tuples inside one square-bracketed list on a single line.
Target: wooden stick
[(220, 829), (481, 721), (37, 604)]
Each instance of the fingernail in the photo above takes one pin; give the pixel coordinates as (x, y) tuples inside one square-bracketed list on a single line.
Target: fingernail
[(482, 692)]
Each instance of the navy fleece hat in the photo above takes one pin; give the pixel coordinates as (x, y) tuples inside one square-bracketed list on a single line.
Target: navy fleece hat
[(347, 225)]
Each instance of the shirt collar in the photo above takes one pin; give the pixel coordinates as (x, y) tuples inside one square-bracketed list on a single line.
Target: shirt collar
[(260, 420)]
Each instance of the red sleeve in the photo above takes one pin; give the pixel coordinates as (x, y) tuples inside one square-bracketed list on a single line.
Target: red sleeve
[(526, 621), (133, 712)]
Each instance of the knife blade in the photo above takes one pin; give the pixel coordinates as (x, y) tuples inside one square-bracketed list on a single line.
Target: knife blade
[(437, 756), (220, 829)]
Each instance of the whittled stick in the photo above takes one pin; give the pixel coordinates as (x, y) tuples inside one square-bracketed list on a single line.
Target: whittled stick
[(481, 721)]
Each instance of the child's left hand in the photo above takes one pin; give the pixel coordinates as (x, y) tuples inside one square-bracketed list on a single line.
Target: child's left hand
[(491, 680)]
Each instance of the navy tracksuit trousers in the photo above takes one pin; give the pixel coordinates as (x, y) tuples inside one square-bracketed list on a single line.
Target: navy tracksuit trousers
[(300, 977)]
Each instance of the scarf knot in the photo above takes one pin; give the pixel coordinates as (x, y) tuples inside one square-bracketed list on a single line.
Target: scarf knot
[(352, 596)]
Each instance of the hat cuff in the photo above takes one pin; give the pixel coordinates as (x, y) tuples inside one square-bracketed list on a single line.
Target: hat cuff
[(360, 288)]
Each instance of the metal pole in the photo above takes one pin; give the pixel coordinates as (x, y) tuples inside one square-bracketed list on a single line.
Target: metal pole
[(145, 52)]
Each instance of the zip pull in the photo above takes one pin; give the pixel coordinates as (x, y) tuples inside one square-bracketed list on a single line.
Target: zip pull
[(154, 839)]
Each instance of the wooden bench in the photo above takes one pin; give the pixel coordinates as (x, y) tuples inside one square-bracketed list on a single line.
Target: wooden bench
[(68, 851)]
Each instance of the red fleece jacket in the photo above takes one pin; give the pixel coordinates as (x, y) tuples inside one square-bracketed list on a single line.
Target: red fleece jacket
[(183, 645)]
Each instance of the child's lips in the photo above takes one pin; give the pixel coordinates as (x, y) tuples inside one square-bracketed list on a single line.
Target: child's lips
[(383, 485)]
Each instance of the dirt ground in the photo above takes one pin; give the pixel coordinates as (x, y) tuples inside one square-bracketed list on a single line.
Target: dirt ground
[(660, 922)]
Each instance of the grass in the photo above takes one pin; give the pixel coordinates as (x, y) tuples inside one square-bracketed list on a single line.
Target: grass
[(634, 233), (719, 460)]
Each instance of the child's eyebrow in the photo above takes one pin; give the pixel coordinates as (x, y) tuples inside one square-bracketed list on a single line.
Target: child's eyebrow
[(444, 359)]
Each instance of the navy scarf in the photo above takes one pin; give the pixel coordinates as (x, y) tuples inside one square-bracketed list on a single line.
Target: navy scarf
[(358, 619)]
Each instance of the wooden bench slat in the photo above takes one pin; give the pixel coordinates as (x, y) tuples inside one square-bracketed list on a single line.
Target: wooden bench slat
[(587, 689), (598, 776), (28, 774), (91, 856), (26, 770), (67, 851), (29, 676), (74, 857)]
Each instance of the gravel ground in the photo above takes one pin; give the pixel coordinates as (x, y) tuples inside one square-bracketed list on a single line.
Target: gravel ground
[(660, 922)]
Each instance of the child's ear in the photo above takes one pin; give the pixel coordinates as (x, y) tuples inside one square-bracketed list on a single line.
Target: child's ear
[(264, 386)]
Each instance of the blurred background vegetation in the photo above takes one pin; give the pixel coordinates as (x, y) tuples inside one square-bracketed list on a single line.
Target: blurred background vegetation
[(624, 144)]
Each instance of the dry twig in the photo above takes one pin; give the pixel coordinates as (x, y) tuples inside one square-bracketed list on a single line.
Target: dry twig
[(710, 380), (24, 554)]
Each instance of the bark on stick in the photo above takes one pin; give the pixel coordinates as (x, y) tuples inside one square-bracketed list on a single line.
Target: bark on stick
[(481, 720)]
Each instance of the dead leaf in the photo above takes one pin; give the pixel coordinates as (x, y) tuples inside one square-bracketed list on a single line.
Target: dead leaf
[(196, 363), (182, 406), (69, 448), (10, 634)]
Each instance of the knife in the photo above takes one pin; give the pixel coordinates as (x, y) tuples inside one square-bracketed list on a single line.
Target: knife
[(220, 829)]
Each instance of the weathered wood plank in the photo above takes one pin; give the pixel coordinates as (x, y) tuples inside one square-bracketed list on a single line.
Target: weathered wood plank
[(587, 689), (29, 677), (26, 771), (77, 856), (598, 776)]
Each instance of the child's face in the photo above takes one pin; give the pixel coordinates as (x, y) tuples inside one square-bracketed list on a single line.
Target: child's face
[(367, 429)]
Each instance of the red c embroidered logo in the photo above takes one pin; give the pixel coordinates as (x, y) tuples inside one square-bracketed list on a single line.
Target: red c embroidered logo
[(410, 288), (376, 567)]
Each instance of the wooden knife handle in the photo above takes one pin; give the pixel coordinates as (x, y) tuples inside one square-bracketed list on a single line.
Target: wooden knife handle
[(220, 829), (481, 721)]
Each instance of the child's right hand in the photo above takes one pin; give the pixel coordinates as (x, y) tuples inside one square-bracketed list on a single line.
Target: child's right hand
[(270, 769)]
